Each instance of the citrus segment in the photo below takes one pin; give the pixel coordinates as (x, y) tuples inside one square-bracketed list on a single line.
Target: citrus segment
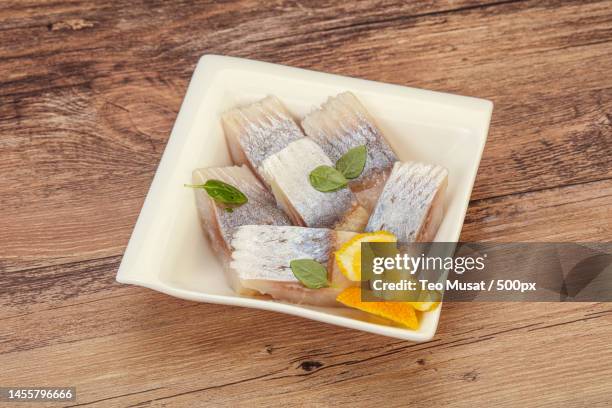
[(424, 306), (399, 312), (348, 257)]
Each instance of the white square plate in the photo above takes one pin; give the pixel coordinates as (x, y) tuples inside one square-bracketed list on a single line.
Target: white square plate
[(168, 251)]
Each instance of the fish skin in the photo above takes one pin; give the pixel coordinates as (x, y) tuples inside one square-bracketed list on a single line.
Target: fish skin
[(265, 253), (411, 205), (343, 123), (259, 130), (219, 224), (265, 136), (287, 172), (261, 257)]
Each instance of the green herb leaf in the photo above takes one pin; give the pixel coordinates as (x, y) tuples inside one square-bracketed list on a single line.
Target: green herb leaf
[(352, 163), (311, 273), (223, 193), (326, 179)]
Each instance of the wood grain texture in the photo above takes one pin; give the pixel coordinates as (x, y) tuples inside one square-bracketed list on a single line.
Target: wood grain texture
[(87, 100)]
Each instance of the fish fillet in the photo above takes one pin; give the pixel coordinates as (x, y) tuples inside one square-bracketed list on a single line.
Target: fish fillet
[(287, 173), (219, 224), (257, 131), (262, 254), (265, 136), (343, 123), (411, 205)]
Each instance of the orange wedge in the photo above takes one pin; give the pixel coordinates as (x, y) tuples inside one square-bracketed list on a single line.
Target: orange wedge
[(348, 257), (399, 312)]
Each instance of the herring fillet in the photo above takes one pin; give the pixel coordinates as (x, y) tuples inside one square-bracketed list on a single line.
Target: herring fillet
[(411, 205), (219, 224), (261, 256), (256, 131), (265, 136), (287, 173), (343, 123)]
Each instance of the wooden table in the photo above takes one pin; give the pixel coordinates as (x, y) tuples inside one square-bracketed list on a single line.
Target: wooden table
[(88, 95)]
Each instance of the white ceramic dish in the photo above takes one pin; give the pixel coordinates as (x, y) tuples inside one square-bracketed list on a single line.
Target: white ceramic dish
[(168, 251)]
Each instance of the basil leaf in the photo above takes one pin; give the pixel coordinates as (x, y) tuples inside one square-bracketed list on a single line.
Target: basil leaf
[(311, 273), (326, 179), (223, 193), (352, 163)]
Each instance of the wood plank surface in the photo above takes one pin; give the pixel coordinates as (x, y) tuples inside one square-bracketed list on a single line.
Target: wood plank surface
[(88, 96)]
